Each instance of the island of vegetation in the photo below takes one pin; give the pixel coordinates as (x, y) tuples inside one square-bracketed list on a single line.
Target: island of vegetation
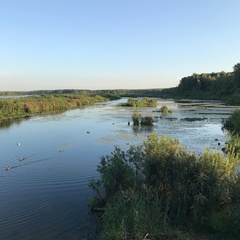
[(143, 121), (158, 190), (165, 110), (144, 102)]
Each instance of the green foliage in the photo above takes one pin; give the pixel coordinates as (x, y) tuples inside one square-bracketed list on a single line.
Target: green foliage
[(220, 86), (144, 102), (147, 121), (136, 117), (232, 124), (144, 121), (184, 189), (116, 172), (236, 69), (165, 110), (17, 107)]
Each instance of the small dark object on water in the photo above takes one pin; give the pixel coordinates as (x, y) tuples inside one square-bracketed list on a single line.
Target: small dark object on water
[(193, 119), (128, 123), (7, 168), (219, 144), (88, 132)]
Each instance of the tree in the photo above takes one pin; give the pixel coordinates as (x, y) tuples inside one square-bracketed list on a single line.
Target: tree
[(236, 69)]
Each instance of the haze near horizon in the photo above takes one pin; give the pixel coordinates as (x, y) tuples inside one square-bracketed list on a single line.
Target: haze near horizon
[(135, 44)]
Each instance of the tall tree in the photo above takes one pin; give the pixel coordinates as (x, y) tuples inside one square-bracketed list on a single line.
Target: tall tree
[(236, 69)]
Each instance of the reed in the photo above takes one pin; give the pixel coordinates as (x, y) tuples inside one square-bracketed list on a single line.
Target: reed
[(158, 188), (25, 106)]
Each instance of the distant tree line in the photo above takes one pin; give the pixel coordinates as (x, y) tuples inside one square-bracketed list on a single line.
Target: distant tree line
[(216, 86), (220, 86)]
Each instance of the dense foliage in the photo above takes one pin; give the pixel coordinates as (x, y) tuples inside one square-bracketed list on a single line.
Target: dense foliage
[(232, 124), (144, 121), (158, 188), (24, 106), (220, 85), (165, 110), (144, 102)]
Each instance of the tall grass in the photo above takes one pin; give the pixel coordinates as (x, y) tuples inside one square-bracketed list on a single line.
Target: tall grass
[(17, 107), (158, 187)]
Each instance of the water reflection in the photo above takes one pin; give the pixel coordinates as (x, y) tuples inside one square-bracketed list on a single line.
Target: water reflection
[(45, 195), (136, 130), (7, 122)]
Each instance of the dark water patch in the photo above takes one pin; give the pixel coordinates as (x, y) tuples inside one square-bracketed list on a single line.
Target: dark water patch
[(193, 119), (214, 113)]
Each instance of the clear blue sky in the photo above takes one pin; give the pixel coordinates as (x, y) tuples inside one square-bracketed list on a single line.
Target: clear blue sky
[(114, 44)]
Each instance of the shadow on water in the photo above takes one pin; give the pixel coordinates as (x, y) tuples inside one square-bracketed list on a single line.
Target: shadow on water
[(8, 122), (141, 129)]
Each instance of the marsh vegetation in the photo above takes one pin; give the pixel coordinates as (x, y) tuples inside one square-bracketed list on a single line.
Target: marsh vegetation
[(143, 102), (160, 190), (30, 105)]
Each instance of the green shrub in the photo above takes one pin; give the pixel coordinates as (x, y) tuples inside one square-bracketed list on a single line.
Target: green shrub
[(147, 121), (232, 123), (144, 121), (116, 172), (144, 102), (185, 189), (165, 110), (136, 117)]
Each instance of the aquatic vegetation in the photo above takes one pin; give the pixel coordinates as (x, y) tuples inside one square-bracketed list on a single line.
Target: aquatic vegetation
[(144, 102), (165, 110), (232, 123), (139, 120), (158, 187), (26, 106), (136, 117)]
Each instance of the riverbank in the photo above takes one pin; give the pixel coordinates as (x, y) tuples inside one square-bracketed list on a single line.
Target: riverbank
[(43, 104)]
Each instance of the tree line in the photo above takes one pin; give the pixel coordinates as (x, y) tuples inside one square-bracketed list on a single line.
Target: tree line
[(219, 86), (216, 86)]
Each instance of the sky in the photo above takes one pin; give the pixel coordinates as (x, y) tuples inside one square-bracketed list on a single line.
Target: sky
[(114, 44)]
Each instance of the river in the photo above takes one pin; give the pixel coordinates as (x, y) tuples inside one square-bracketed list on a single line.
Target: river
[(45, 194)]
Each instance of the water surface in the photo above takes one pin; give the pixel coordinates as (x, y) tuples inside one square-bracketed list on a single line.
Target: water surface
[(45, 195)]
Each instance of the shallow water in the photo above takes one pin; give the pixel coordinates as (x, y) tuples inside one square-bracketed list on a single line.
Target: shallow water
[(45, 195)]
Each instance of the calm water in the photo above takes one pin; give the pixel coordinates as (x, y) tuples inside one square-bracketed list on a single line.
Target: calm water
[(45, 196)]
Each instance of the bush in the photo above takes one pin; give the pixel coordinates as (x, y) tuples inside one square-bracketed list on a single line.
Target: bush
[(144, 121), (164, 109), (185, 189), (136, 117), (232, 123), (147, 121), (145, 102)]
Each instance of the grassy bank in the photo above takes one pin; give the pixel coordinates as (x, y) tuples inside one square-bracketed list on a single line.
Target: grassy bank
[(158, 190), (32, 105)]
